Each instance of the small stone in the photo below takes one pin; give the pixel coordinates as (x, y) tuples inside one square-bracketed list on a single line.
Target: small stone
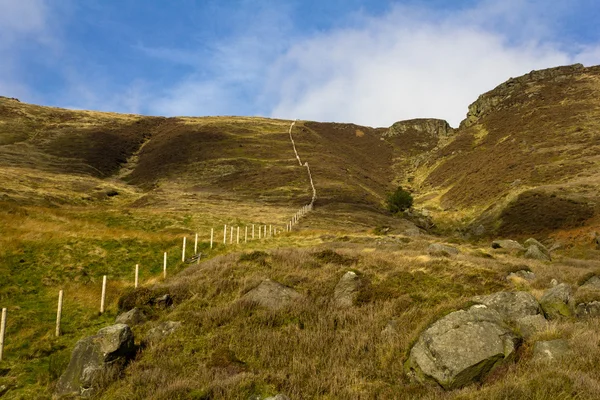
[(553, 282), (160, 332), (347, 290), (550, 350), (522, 274), (132, 317), (442, 250), (507, 244), (164, 301)]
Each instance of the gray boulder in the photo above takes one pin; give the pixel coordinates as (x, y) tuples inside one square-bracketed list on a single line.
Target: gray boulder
[(521, 274), (135, 316), (272, 295), (95, 361), (347, 290), (511, 305), (531, 324), (592, 283), (534, 253), (591, 309), (438, 249), (461, 348), (160, 332), (551, 350), (507, 244), (532, 242), (557, 301)]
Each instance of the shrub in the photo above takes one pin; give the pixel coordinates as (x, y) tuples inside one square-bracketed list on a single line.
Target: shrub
[(399, 201)]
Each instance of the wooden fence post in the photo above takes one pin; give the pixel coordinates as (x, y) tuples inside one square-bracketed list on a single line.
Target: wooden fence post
[(246, 235), (165, 266), (259, 232), (270, 230), (224, 234), (231, 236), (196, 245), (137, 274), (102, 298), (238, 236), (212, 232), (59, 313), (2, 333), (252, 231), (183, 250)]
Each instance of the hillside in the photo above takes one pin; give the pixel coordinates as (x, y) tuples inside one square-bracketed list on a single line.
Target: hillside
[(85, 194)]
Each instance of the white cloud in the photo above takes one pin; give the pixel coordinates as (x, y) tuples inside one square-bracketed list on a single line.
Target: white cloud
[(403, 65)]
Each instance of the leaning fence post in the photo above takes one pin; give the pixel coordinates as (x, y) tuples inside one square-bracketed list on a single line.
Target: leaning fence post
[(59, 312), (212, 232), (165, 266), (183, 250), (102, 298), (137, 274), (2, 332)]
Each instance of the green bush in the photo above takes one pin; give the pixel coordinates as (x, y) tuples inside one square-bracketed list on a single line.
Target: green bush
[(399, 201)]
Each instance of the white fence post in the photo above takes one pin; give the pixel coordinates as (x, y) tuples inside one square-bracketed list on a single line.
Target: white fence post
[(212, 232), (259, 232), (165, 266), (270, 230), (252, 231), (246, 235), (231, 236), (2, 333), (103, 297), (59, 313), (224, 234), (238, 236), (137, 274), (196, 245), (183, 250)]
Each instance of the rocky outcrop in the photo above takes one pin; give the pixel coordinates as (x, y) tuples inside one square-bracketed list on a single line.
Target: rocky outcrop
[(494, 99), (132, 317), (557, 301), (95, 361), (441, 250), (426, 127), (272, 295), (533, 242), (462, 347), (347, 290)]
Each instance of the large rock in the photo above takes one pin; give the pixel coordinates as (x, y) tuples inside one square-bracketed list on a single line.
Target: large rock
[(521, 274), (462, 347), (160, 332), (96, 360), (534, 253), (347, 290), (272, 295), (132, 317), (507, 244), (511, 305), (587, 298), (438, 249), (551, 350), (557, 301)]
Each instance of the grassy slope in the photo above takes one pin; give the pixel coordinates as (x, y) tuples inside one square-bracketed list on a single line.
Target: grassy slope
[(528, 164), (60, 229)]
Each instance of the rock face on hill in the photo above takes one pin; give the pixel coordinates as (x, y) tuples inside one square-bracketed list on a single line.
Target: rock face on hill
[(489, 101), (426, 127), (95, 361)]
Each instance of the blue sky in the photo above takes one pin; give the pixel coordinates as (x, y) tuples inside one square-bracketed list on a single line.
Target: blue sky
[(369, 62)]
